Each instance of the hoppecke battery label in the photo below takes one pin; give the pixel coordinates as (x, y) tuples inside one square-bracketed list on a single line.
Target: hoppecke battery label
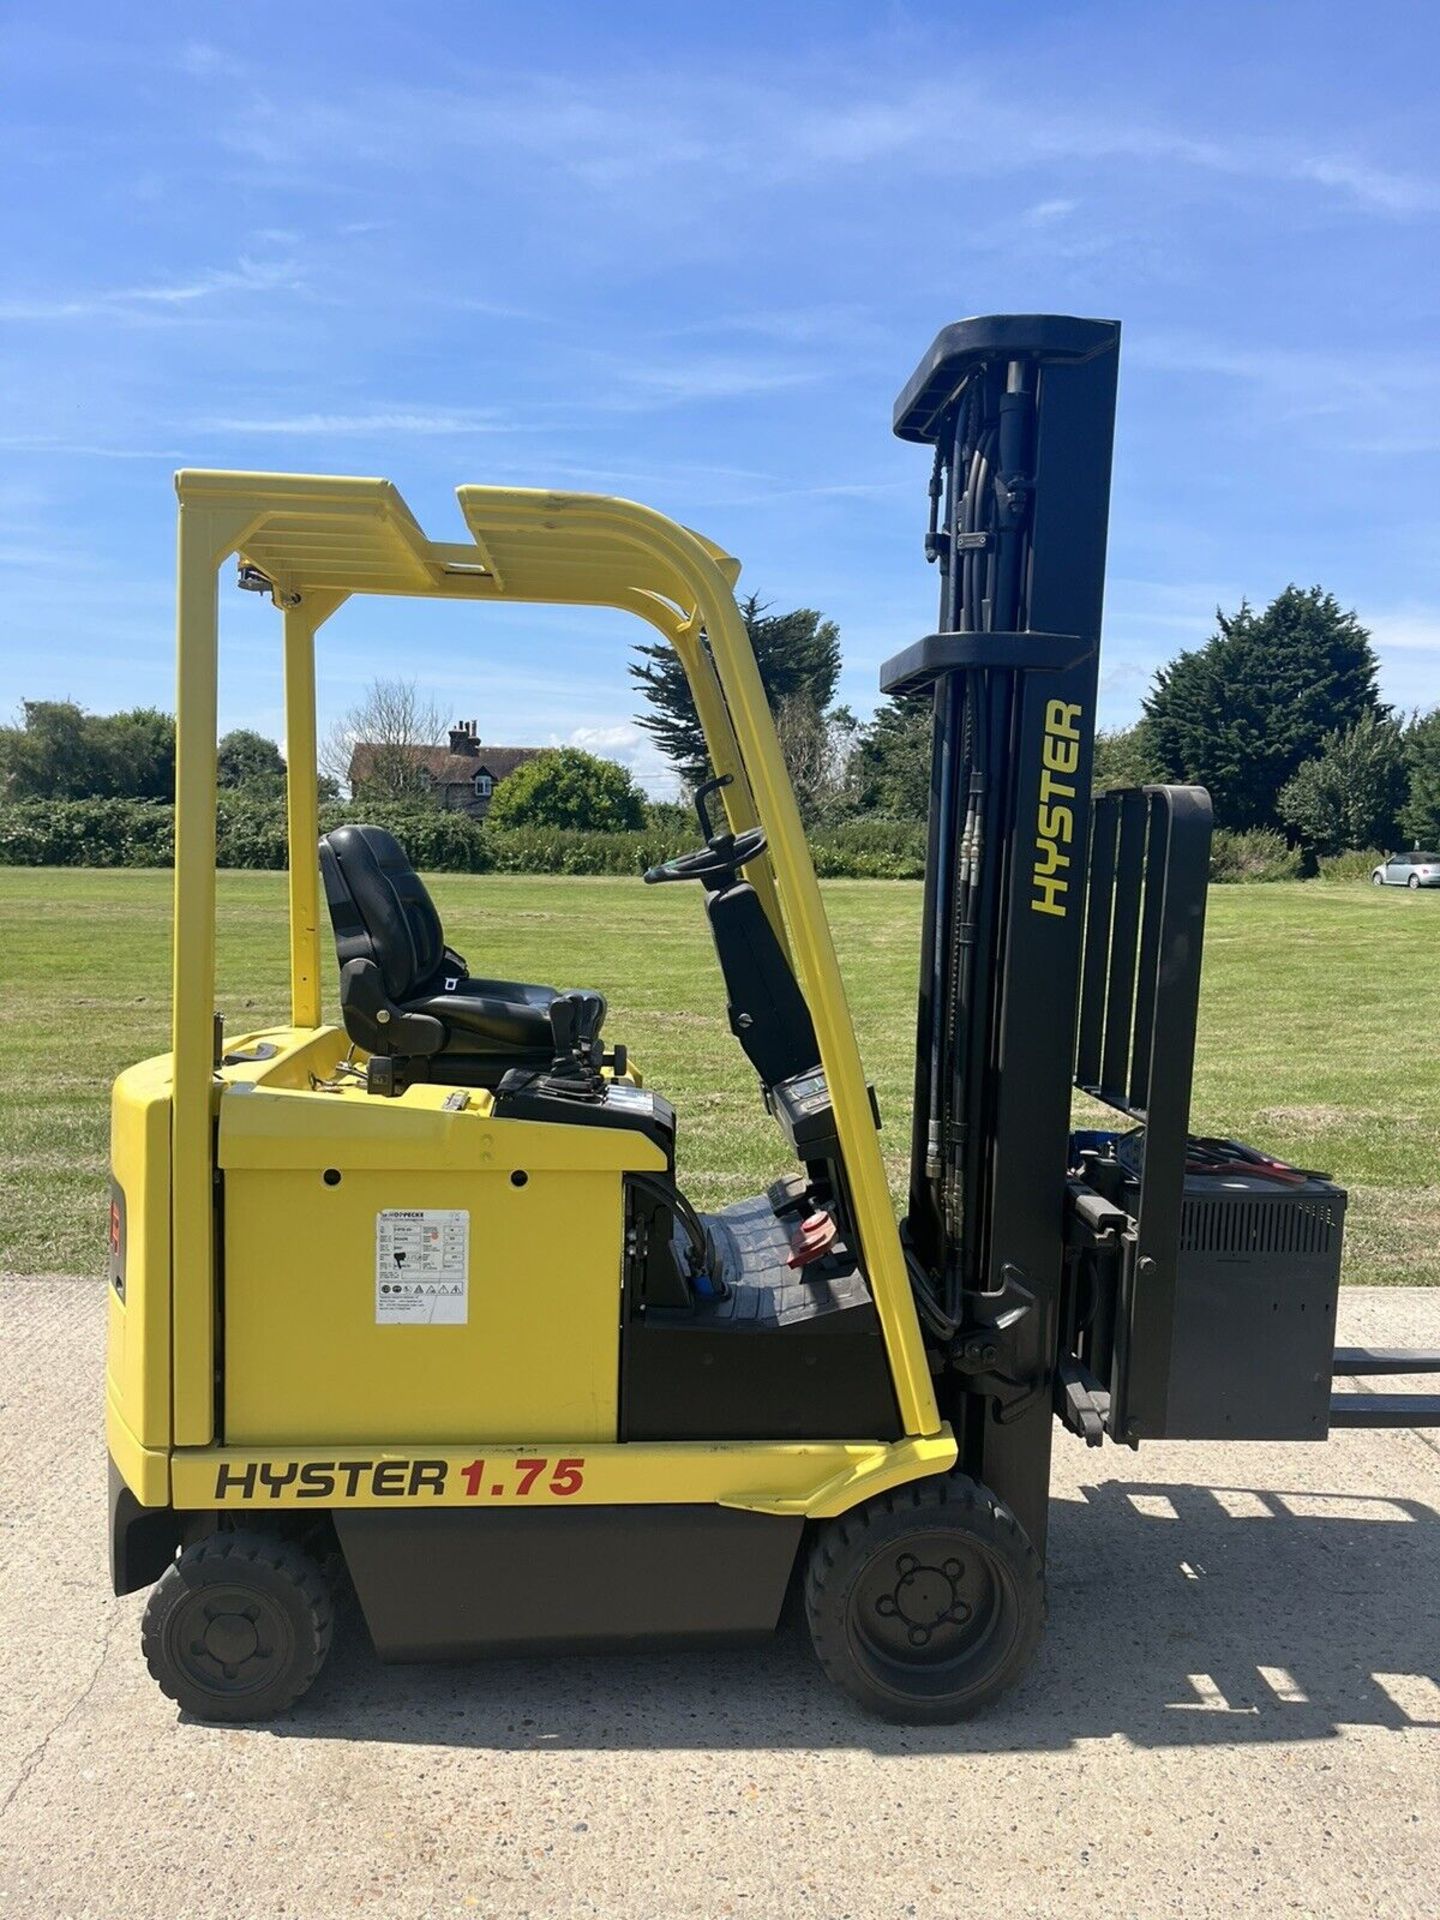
[(422, 1267)]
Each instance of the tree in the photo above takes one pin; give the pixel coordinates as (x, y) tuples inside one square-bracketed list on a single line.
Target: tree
[(1420, 816), (1123, 758), (248, 759), (1243, 713), (798, 655), (45, 756), (564, 787), (819, 751), (58, 751), (393, 718), (1351, 793), (893, 759)]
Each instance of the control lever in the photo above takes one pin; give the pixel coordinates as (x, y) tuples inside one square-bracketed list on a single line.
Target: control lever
[(575, 1022)]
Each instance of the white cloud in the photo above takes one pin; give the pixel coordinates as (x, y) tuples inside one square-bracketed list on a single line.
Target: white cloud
[(163, 297), (1045, 212), (705, 377), (204, 61), (632, 747), (39, 443), (1245, 156), (1407, 639), (1372, 186), (623, 736), (1407, 629), (411, 420), (836, 323), (1377, 403), (722, 134), (1184, 609)]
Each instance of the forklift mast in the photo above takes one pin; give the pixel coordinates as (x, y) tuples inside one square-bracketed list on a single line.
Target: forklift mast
[(1020, 412), (1138, 1284)]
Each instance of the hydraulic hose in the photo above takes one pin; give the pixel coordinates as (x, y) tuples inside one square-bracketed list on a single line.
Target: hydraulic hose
[(991, 459)]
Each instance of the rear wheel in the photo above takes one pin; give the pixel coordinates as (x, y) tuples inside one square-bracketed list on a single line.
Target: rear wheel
[(238, 1627), (1414, 883), (925, 1604)]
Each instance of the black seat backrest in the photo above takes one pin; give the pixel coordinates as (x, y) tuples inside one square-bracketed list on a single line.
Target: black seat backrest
[(768, 1014), (379, 908)]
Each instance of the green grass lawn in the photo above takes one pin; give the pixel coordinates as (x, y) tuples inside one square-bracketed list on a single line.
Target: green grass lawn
[(1315, 1028)]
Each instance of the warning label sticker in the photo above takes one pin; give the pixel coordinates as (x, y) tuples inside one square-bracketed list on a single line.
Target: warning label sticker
[(422, 1267)]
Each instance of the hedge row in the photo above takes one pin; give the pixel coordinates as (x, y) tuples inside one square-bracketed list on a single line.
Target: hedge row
[(1263, 855), (251, 833), (1358, 865), (87, 833), (1256, 854)]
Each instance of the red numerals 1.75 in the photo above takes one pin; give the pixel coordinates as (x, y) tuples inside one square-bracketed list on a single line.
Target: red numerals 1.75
[(565, 1477)]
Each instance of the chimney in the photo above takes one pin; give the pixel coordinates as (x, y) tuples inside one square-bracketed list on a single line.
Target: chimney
[(462, 737)]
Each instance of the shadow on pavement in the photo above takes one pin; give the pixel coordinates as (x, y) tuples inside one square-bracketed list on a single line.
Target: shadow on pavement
[(1181, 1615)]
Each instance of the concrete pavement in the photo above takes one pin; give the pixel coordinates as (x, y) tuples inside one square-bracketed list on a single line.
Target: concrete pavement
[(1236, 1709)]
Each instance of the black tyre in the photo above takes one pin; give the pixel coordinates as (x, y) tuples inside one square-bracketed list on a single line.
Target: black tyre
[(925, 1604), (1414, 883), (1377, 879), (238, 1627)]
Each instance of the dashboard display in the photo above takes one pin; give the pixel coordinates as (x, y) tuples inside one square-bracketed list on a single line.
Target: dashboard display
[(810, 1086)]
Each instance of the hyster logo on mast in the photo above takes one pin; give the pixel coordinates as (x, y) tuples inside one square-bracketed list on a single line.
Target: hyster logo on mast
[(1054, 819)]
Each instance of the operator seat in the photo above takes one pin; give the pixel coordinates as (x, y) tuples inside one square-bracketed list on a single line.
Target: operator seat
[(406, 995)]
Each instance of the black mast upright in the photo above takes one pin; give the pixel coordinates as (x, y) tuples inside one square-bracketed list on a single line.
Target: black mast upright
[(1020, 411)]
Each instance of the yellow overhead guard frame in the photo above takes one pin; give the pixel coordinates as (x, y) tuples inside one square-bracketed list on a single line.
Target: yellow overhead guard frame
[(318, 540)]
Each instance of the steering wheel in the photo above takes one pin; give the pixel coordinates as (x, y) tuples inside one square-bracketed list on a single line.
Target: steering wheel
[(719, 857)]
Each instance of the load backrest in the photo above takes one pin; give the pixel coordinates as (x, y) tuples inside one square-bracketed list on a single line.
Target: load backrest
[(379, 908)]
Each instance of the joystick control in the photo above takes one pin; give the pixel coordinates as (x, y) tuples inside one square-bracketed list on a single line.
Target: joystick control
[(575, 1022)]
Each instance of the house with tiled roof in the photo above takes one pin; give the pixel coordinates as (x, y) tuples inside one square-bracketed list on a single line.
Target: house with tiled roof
[(461, 777)]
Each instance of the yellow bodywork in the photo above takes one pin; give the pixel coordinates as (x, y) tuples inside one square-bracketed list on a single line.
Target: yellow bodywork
[(305, 1159), (305, 1176)]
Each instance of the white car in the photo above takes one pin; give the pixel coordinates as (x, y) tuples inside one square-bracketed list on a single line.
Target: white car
[(1411, 870)]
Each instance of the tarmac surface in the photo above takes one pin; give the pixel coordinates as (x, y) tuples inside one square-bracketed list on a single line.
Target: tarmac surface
[(1235, 1710)]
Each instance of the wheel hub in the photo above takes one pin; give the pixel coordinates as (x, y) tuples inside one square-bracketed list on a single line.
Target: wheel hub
[(229, 1640), (925, 1598)]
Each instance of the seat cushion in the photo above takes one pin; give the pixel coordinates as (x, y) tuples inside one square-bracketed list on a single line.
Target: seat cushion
[(482, 1016)]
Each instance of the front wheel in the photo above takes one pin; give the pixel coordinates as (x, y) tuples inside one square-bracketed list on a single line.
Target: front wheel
[(927, 1603), (1377, 879), (238, 1627)]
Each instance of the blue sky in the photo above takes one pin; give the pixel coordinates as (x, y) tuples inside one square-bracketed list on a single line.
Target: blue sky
[(690, 255)]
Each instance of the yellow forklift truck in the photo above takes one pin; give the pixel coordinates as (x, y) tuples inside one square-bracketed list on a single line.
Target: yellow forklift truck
[(415, 1301)]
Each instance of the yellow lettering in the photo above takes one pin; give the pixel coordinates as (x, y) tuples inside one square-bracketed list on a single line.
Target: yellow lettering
[(1051, 859), (1048, 896), (1057, 823), (1062, 755), (1059, 753)]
